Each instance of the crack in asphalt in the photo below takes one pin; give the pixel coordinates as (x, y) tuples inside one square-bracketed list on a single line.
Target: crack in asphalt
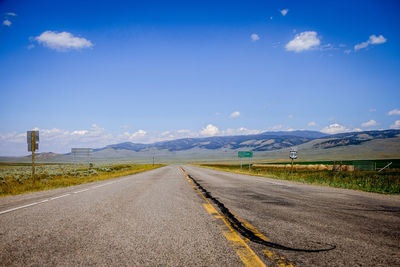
[(244, 231)]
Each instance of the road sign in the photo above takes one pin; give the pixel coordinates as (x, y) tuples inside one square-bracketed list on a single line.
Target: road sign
[(30, 146), (32, 138), (29, 140), (245, 154), (81, 153), (293, 153)]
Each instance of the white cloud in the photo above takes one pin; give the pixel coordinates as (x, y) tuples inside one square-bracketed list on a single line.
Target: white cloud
[(276, 44), (284, 11), (6, 22), (209, 130), (312, 124), (240, 131), (138, 136), (334, 129), (373, 39), (184, 131), (394, 112), (165, 133), (234, 114), (12, 14), (361, 45), (328, 47), (369, 123), (395, 125), (275, 127), (139, 133), (79, 132), (254, 37), (372, 109), (62, 41), (303, 41)]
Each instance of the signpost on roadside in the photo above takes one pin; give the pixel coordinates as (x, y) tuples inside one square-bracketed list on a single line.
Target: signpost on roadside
[(81, 153), (245, 154), (293, 154), (32, 138)]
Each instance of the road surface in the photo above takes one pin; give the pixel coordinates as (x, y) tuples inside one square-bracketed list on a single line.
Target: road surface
[(195, 216)]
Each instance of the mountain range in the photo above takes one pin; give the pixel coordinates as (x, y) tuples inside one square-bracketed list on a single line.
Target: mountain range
[(260, 142), (266, 141), (312, 145)]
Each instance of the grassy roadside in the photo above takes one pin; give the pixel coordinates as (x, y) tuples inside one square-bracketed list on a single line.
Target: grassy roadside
[(386, 182), (14, 181)]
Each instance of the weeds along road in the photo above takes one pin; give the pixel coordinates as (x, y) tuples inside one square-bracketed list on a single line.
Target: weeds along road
[(195, 216)]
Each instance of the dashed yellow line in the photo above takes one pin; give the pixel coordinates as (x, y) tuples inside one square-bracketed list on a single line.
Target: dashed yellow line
[(245, 253)]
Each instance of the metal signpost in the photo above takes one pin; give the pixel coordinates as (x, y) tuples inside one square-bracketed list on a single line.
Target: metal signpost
[(81, 153), (293, 154), (245, 154), (32, 138)]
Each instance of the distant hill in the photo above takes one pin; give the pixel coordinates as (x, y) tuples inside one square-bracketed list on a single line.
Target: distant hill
[(313, 144), (260, 142), (44, 156), (266, 146), (355, 138)]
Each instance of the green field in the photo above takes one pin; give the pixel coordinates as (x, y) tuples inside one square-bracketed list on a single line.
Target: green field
[(387, 182), (16, 178)]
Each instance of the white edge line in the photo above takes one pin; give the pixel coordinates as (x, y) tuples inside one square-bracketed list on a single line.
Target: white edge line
[(20, 207), (97, 186), (80, 191), (53, 198)]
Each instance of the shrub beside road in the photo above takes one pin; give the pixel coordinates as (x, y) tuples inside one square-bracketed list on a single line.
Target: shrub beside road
[(16, 178), (387, 181)]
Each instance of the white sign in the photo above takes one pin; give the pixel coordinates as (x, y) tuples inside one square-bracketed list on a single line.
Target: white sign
[(293, 153)]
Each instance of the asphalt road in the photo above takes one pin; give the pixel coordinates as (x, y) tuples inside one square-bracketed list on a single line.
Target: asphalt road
[(206, 217)]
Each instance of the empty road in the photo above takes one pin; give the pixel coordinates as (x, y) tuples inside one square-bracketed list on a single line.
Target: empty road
[(190, 216)]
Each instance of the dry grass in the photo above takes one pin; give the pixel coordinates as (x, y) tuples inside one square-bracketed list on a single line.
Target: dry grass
[(17, 179), (387, 182)]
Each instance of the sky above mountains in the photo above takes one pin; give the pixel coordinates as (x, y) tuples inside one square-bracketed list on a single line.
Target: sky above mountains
[(92, 73)]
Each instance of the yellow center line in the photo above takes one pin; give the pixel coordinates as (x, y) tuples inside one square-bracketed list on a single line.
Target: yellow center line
[(245, 253), (279, 260)]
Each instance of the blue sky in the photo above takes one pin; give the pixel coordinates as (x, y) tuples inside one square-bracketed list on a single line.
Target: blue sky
[(100, 72)]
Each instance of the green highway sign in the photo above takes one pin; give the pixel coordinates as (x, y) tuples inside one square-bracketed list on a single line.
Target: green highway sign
[(245, 154)]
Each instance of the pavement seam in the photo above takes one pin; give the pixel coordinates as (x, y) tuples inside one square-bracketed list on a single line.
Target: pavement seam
[(245, 253)]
